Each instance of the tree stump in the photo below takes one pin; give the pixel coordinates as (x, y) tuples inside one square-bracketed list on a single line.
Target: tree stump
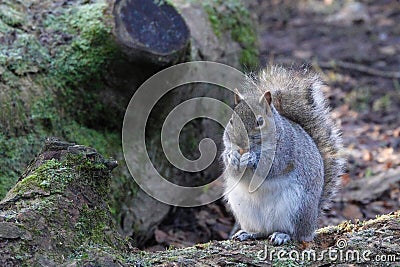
[(151, 32)]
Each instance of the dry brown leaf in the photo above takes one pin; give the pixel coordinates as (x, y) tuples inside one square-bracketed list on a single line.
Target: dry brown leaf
[(367, 155), (160, 236), (388, 165), (345, 179), (385, 154)]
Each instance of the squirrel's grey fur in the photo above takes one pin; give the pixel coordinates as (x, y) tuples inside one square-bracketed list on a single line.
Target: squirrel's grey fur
[(301, 146)]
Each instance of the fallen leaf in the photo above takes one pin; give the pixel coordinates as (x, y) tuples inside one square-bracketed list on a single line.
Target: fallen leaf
[(345, 179), (388, 165), (367, 155), (160, 236)]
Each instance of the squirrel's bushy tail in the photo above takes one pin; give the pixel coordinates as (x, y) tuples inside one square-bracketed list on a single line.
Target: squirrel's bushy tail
[(298, 96)]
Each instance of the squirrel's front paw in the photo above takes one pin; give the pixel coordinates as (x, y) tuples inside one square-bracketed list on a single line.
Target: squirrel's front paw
[(248, 159), (234, 158)]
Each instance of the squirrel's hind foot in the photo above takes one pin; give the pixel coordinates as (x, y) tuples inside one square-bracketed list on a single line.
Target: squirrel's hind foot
[(242, 235), (278, 238)]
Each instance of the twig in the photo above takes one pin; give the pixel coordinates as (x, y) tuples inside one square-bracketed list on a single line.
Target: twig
[(359, 68)]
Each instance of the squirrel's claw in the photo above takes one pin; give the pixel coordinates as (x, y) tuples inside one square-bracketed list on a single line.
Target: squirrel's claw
[(242, 235), (278, 238), (244, 160), (234, 159), (248, 159), (240, 162)]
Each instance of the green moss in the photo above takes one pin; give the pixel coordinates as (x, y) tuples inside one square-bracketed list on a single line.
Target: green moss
[(44, 113), (24, 55), (11, 16), (30, 56), (94, 232), (4, 28), (92, 224), (80, 60), (106, 142), (236, 19), (13, 151), (92, 45), (7, 76), (13, 111), (62, 72), (51, 176), (249, 58)]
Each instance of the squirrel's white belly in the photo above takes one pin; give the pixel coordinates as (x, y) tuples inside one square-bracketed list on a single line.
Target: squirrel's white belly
[(266, 210)]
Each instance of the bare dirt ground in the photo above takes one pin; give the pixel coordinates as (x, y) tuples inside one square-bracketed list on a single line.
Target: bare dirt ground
[(355, 47)]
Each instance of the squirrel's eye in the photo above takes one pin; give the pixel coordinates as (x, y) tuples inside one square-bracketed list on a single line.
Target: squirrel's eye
[(231, 121), (260, 121)]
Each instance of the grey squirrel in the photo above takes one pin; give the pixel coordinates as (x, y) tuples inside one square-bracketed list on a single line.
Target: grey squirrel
[(281, 124)]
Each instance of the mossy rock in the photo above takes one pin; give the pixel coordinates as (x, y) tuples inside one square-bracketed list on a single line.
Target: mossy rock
[(58, 210)]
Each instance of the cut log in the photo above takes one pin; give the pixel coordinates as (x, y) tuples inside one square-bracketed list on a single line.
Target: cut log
[(151, 32)]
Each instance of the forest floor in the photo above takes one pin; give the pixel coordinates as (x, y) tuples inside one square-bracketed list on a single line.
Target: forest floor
[(355, 47)]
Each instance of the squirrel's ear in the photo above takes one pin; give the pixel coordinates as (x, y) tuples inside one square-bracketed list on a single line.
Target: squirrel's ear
[(238, 97), (266, 96)]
